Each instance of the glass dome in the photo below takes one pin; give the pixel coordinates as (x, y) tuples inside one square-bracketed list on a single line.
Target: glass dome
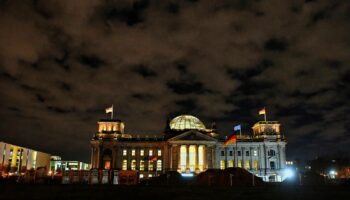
[(185, 122)]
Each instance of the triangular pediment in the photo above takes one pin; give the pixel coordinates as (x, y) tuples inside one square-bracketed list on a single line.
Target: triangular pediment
[(192, 135)]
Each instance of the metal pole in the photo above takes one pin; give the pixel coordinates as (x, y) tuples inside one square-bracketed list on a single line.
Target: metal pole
[(253, 181)]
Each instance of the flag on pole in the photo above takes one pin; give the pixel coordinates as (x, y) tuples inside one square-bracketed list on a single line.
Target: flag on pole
[(153, 158), (237, 128), (232, 139), (109, 109), (262, 111)]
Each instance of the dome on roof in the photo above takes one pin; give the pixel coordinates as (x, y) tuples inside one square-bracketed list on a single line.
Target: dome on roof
[(186, 122)]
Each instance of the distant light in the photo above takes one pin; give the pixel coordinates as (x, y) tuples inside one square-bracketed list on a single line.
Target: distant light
[(187, 174), (288, 173), (332, 172)]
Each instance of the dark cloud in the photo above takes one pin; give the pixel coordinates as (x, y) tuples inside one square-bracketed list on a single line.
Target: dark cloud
[(63, 62)]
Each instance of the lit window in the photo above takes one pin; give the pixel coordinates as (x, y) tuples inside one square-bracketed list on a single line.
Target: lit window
[(239, 164), (142, 152), (125, 165), (150, 175), (107, 164), (222, 164), (159, 165), (247, 164), (159, 152), (133, 165), (141, 176), (133, 152), (255, 153), (255, 164), (150, 152), (124, 152), (230, 163), (142, 165), (150, 165)]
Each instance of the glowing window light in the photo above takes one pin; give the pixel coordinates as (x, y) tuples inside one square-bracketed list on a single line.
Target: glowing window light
[(187, 174), (150, 165), (142, 165), (125, 165), (159, 165), (222, 164), (133, 165)]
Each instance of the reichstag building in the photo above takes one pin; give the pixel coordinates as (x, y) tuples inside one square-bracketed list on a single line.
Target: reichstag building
[(189, 147)]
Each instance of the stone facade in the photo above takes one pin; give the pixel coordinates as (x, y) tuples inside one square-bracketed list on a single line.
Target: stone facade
[(187, 147)]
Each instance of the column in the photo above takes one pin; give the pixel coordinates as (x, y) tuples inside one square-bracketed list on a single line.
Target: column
[(196, 159), (187, 157), (205, 166), (171, 158)]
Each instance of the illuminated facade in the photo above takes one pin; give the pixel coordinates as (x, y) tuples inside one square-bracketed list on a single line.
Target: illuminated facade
[(187, 146), (16, 159), (57, 164)]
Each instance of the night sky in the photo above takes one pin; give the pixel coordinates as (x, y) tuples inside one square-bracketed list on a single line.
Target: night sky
[(63, 62)]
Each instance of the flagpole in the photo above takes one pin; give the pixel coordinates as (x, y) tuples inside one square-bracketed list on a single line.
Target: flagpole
[(112, 112), (240, 131), (265, 116)]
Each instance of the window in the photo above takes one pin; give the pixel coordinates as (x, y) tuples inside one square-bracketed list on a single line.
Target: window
[(230, 153), (150, 152), (125, 152), (247, 153), (150, 165), (272, 165), (125, 165), (133, 152), (159, 165), (247, 164), (142, 165), (255, 153), (222, 164), (255, 164), (150, 175), (239, 153), (142, 152), (222, 153), (230, 163), (107, 164), (159, 152), (133, 165), (141, 176), (239, 163), (271, 153)]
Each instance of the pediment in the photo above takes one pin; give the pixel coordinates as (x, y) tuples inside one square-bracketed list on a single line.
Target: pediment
[(192, 135)]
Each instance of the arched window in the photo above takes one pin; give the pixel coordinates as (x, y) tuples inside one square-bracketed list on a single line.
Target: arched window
[(230, 163), (133, 165)]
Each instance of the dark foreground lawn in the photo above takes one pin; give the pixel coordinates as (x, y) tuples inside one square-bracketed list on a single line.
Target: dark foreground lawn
[(63, 192)]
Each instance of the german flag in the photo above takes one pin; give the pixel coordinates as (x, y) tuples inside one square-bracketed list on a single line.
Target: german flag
[(153, 158), (232, 139)]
